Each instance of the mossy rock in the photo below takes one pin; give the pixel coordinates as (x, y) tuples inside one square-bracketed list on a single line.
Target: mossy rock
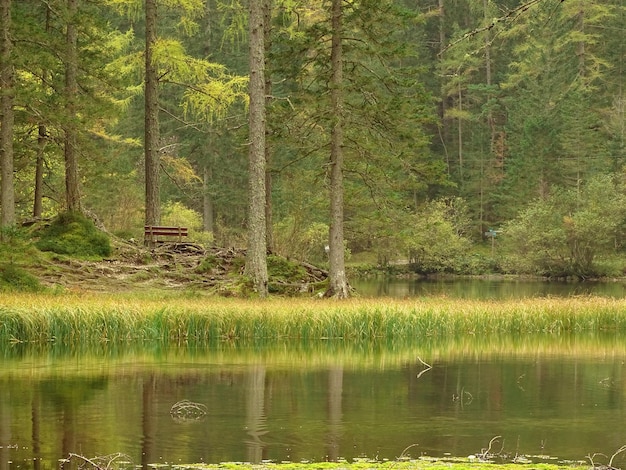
[(73, 234)]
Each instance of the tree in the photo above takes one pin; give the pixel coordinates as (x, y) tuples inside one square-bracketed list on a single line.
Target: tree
[(256, 259), (72, 194), (338, 282), (151, 120), (7, 195)]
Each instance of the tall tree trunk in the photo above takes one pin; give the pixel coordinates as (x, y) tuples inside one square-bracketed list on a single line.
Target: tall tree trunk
[(256, 260), (72, 194), (7, 191), (488, 76), (38, 197), (267, 29), (338, 285), (207, 201), (443, 130), (42, 139), (151, 117)]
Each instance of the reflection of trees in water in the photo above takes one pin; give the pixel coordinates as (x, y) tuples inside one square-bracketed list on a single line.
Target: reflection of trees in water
[(5, 429), (335, 425), (255, 412), (298, 412), (148, 420), (67, 396)]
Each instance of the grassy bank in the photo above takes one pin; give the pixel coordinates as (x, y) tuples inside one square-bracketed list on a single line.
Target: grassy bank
[(80, 319)]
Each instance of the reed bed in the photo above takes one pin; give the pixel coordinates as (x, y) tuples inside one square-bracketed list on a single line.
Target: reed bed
[(95, 318)]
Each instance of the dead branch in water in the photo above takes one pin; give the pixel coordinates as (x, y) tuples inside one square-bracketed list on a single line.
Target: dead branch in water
[(104, 462), (185, 411)]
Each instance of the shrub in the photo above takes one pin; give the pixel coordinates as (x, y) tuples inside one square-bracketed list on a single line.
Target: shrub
[(177, 214), (283, 269), (74, 235), (563, 234), (301, 241), (435, 240), (13, 277)]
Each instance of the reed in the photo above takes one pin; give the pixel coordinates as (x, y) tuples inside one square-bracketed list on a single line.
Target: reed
[(75, 319)]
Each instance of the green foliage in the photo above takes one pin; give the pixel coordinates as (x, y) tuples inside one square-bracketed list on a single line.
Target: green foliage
[(305, 242), (436, 241), (563, 234), (178, 215), (279, 268), (206, 265), (14, 278), (74, 235)]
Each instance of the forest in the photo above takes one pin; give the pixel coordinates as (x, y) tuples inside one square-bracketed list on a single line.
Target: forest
[(465, 136)]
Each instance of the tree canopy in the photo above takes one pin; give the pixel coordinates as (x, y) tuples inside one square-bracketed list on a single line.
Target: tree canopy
[(506, 108)]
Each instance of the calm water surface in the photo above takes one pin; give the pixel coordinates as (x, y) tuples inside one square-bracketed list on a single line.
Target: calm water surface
[(487, 288), (551, 396)]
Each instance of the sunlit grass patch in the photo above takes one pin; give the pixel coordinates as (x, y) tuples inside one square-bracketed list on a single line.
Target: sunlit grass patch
[(105, 318)]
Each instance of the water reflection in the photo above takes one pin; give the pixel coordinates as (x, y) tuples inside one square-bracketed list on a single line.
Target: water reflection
[(484, 288), (552, 395), (255, 412)]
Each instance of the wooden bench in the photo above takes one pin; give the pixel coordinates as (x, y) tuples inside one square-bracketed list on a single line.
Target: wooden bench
[(152, 234)]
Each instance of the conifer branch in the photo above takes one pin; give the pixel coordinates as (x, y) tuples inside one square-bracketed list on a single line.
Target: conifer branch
[(513, 13)]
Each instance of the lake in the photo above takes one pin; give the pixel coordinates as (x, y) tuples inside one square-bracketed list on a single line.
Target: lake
[(551, 396), (484, 288)]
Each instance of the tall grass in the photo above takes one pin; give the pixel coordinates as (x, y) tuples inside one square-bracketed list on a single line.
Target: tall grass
[(95, 318)]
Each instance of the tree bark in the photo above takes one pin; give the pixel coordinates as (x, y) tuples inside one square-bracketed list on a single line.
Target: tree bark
[(151, 117), (207, 201), (38, 197), (72, 193), (269, 229), (256, 260), (338, 283), (7, 191)]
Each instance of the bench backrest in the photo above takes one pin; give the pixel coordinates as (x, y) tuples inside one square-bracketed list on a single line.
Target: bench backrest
[(151, 232), (166, 231)]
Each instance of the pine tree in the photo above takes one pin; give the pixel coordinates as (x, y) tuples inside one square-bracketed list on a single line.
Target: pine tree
[(7, 190), (256, 260)]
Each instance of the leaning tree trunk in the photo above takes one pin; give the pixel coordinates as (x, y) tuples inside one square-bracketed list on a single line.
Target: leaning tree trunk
[(72, 195), (338, 286), (256, 260), (151, 131), (7, 196)]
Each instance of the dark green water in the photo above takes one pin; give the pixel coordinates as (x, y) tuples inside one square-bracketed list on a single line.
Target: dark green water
[(485, 288), (552, 396)]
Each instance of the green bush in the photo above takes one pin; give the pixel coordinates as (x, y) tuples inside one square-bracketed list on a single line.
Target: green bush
[(279, 268), (565, 233), (435, 240), (74, 235), (295, 239), (14, 278)]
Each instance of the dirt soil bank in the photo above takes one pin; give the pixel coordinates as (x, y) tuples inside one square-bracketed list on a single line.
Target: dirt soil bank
[(172, 266)]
